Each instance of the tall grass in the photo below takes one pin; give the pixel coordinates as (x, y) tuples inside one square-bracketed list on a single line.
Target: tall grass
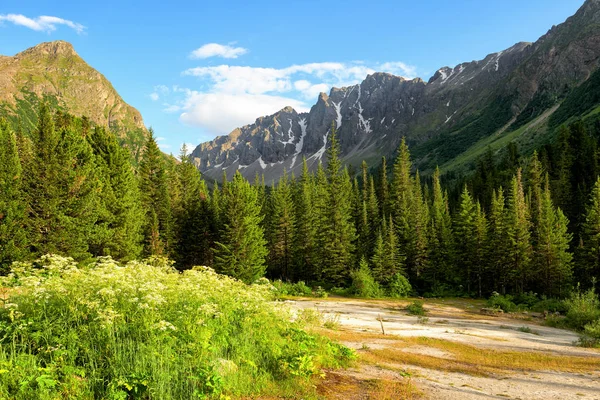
[(146, 331)]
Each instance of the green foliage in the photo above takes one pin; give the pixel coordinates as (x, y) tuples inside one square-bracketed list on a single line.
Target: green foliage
[(363, 284), (142, 331), (416, 308), (241, 251), (504, 303), (399, 286), (583, 309)]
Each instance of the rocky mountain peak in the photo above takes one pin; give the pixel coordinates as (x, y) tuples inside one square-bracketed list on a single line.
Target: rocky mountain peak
[(50, 49)]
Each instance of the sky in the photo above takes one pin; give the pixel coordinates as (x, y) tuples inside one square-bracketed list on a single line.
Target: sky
[(198, 69)]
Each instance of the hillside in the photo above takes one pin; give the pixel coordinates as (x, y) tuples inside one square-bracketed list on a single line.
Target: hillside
[(54, 72)]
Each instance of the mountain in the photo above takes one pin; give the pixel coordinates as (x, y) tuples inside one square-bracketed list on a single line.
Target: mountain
[(54, 72), (448, 121)]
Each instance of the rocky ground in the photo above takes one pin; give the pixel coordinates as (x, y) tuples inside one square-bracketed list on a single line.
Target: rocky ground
[(453, 352)]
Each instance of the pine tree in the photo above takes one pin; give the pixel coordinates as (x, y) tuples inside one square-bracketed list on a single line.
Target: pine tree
[(155, 198), (417, 254), (440, 237), (306, 229), (498, 242), (466, 238), (591, 235), (194, 223), (242, 250), (400, 203), (283, 229), (480, 247), (61, 190), (340, 229), (118, 230), (518, 228), (552, 250), (13, 240), (384, 189)]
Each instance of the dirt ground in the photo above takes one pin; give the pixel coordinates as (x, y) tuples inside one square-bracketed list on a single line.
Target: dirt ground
[(521, 358)]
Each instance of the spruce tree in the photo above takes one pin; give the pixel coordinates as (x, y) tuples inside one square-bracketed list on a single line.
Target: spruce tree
[(591, 236), (194, 222), (118, 230), (283, 230), (440, 238), (306, 228), (400, 203), (552, 250), (61, 190), (13, 238), (498, 242), (418, 248), (242, 248), (466, 239), (518, 228), (384, 189), (480, 247), (340, 229), (155, 199)]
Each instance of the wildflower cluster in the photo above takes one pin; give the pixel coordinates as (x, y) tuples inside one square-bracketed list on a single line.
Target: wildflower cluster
[(145, 330)]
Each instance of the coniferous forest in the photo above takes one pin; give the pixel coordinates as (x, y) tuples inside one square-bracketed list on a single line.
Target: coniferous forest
[(519, 223)]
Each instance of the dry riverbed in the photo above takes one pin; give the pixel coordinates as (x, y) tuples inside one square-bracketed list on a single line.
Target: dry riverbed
[(454, 352)]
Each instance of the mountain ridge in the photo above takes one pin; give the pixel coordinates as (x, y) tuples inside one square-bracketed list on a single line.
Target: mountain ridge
[(441, 118)]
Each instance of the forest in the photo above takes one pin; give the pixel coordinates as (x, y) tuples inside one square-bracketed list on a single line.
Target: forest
[(518, 224)]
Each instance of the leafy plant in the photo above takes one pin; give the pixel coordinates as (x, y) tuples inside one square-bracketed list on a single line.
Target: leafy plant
[(416, 308), (583, 309), (363, 283), (399, 286)]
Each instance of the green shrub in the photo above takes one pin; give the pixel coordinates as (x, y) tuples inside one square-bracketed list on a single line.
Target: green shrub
[(583, 309), (527, 299), (504, 303), (142, 331), (299, 289), (550, 305), (593, 330), (399, 286), (363, 283), (416, 308)]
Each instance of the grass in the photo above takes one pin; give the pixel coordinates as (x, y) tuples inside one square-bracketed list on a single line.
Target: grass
[(462, 358), (342, 386), (145, 331)]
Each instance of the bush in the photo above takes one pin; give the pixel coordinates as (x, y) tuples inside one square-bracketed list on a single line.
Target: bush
[(504, 303), (416, 308), (527, 299), (583, 309), (142, 331), (363, 284), (399, 286), (299, 289), (550, 305)]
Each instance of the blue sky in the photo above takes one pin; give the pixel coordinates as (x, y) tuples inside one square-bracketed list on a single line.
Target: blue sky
[(197, 69)]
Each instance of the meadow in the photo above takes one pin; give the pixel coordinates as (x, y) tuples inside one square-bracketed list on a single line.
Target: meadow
[(144, 330)]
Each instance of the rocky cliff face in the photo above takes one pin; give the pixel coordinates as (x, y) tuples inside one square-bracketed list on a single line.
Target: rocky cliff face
[(54, 69), (441, 118)]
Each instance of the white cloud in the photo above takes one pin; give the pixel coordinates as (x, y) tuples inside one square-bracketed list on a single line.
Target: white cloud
[(154, 96), (44, 23), (217, 50), (237, 95), (160, 139), (220, 113), (164, 146)]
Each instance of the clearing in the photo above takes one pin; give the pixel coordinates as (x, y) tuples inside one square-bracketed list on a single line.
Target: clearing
[(454, 352)]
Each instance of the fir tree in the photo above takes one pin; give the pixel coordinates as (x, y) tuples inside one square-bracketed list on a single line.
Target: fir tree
[(118, 230), (466, 238), (340, 229), (242, 250), (155, 198), (61, 190), (194, 222), (518, 229), (13, 240), (400, 203), (552, 250), (591, 235), (440, 238), (283, 229)]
